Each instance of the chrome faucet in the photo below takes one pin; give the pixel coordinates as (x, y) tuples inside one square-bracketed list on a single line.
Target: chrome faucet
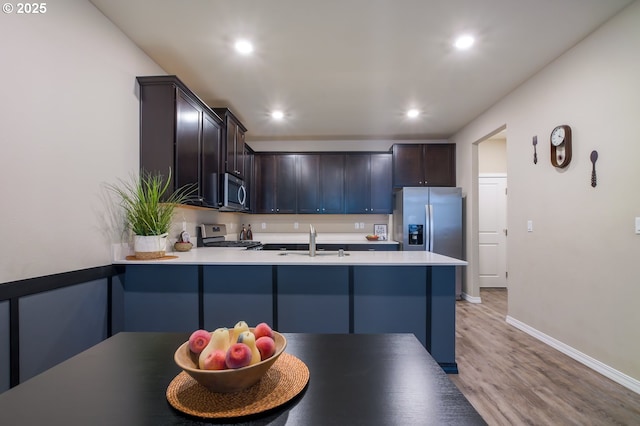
[(312, 241)]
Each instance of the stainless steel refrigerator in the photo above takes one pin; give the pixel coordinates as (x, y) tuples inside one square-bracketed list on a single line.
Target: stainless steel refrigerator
[(430, 219)]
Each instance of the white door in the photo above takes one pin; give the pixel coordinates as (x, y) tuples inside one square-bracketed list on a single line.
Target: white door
[(492, 200)]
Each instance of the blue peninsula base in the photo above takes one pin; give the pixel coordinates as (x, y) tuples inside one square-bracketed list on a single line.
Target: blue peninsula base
[(294, 298)]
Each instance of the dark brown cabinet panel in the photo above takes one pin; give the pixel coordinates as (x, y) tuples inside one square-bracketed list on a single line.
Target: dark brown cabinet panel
[(368, 183), (408, 169), (424, 165), (381, 183), (234, 143), (286, 183), (187, 141), (179, 132), (332, 183), (320, 183), (358, 183), (440, 164), (275, 183), (211, 133), (264, 182), (308, 183)]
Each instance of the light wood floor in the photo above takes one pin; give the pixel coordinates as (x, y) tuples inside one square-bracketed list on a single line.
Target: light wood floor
[(512, 378)]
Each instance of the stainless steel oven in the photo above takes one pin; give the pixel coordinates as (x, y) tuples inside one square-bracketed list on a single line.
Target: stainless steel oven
[(215, 235), (234, 194)]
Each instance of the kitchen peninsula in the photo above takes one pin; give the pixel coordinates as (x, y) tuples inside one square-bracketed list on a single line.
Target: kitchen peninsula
[(360, 292)]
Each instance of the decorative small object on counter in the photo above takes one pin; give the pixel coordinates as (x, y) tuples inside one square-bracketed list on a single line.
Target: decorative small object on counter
[(149, 208), (249, 233), (243, 233), (380, 230), (184, 242)]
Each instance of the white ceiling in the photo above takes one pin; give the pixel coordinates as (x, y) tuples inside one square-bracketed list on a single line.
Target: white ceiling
[(349, 69)]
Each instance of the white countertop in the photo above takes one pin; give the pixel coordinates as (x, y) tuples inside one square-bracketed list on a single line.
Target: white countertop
[(224, 256)]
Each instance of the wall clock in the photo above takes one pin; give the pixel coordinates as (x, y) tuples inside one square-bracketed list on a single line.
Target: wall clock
[(561, 146)]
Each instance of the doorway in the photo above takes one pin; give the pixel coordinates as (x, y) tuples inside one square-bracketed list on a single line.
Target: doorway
[(492, 211)]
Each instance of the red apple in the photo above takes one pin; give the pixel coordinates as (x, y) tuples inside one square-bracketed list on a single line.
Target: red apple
[(199, 340), (266, 346), (238, 355), (216, 360), (263, 329)]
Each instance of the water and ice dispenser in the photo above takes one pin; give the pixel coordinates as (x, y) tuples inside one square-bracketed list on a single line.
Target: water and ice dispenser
[(416, 235)]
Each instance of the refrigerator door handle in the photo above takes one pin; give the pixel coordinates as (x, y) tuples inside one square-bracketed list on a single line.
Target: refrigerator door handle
[(430, 236)]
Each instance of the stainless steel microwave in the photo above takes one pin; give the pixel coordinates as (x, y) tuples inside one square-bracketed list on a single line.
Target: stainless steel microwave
[(235, 194)]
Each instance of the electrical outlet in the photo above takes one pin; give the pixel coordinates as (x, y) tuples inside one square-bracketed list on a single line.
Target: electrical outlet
[(295, 225), (357, 225), (264, 225), (361, 225)]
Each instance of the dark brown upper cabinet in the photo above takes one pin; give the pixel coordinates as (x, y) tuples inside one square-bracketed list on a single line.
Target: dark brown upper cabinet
[(275, 183), (179, 132), (233, 149), (320, 183), (424, 165), (368, 183)]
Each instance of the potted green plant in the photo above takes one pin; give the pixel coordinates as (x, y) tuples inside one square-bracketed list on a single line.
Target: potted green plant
[(149, 206)]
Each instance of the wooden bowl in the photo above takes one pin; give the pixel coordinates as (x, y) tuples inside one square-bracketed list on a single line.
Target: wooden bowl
[(231, 380), (180, 246), (372, 237)]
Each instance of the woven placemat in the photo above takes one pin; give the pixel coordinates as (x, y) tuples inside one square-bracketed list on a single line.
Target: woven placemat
[(157, 258), (286, 378)]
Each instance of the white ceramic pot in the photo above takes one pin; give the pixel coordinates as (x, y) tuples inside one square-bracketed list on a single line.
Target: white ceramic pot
[(150, 246)]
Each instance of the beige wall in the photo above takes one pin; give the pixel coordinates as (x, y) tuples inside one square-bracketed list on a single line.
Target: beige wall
[(492, 156), (576, 277), (69, 120)]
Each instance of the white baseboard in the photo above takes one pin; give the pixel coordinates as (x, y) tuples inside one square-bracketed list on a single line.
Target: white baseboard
[(607, 371), (471, 299)]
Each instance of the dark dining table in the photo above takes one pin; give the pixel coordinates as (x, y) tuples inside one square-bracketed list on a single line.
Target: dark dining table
[(354, 379)]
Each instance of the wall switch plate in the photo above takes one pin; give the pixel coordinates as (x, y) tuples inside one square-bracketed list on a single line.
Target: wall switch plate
[(295, 225), (638, 225), (529, 226), (264, 225), (361, 225), (357, 225)]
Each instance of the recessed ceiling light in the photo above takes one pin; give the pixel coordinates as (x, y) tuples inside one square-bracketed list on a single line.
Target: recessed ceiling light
[(464, 42), (244, 47), (277, 115), (413, 113)]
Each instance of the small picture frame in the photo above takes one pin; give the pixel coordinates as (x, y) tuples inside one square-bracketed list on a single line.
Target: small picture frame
[(380, 230)]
